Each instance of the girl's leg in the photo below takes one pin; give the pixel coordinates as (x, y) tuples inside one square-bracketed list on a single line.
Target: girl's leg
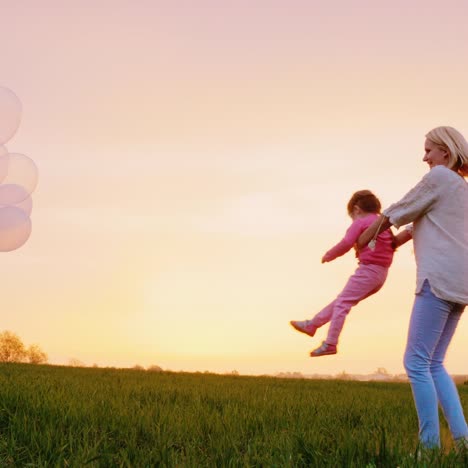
[(445, 387), (427, 324), (309, 327), (365, 281), (324, 316)]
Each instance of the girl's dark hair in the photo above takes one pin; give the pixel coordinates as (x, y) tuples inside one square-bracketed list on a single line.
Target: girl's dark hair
[(366, 200)]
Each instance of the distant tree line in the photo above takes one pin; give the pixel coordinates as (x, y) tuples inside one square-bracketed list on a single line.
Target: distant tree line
[(152, 368), (12, 349)]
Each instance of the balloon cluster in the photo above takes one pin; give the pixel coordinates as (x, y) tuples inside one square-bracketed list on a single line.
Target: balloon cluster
[(18, 178)]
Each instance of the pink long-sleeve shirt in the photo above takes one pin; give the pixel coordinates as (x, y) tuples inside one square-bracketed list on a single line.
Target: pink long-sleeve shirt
[(382, 254)]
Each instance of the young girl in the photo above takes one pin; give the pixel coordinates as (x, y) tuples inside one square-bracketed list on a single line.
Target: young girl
[(369, 277)]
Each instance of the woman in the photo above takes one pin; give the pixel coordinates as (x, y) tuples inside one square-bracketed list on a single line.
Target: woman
[(438, 208)]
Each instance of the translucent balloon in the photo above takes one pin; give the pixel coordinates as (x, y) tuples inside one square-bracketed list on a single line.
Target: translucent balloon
[(15, 228), (13, 195), (26, 205), (20, 170), (4, 160), (10, 114)]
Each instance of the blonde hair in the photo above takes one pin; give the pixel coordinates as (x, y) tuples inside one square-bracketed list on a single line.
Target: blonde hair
[(452, 141)]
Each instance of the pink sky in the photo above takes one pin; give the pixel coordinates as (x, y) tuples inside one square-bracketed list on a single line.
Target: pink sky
[(196, 161)]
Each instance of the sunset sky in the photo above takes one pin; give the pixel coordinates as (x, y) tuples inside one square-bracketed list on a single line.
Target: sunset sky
[(195, 161)]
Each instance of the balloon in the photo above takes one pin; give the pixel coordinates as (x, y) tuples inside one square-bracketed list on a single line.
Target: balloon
[(15, 228), (10, 114), (15, 195), (18, 178), (20, 170), (11, 194), (26, 205), (4, 160)]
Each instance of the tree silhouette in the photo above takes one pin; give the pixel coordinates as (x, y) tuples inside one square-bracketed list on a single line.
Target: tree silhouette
[(35, 355), (11, 347)]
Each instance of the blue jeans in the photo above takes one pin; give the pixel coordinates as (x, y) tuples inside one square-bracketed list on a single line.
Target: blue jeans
[(432, 326)]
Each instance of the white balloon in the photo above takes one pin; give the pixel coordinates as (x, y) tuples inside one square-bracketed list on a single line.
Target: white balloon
[(15, 228), (10, 114), (20, 170)]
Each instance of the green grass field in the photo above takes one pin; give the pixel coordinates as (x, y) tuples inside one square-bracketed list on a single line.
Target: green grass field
[(59, 416)]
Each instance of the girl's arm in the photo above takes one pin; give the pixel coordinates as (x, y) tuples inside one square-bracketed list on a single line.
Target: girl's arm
[(346, 243), (403, 237), (379, 225)]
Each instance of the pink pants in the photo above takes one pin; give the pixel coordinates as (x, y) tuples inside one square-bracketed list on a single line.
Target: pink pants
[(366, 280)]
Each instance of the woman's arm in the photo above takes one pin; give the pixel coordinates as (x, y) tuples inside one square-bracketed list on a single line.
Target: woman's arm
[(371, 231), (416, 203)]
